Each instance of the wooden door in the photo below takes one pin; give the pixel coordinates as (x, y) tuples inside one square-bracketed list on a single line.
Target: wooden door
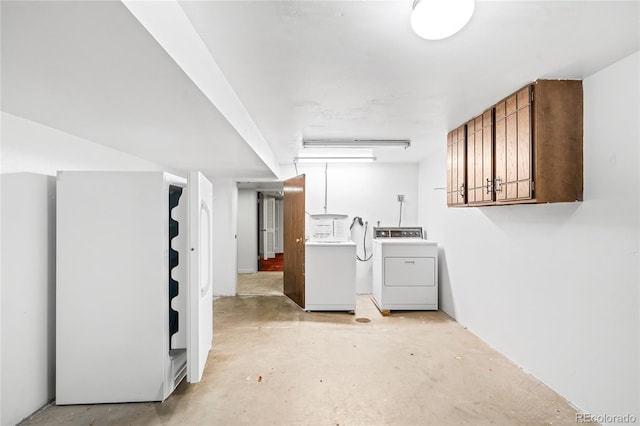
[(450, 183), (524, 143), (514, 147), (461, 168), (456, 166), (480, 159), (294, 239), (500, 151), (487, 156), (474, 162)]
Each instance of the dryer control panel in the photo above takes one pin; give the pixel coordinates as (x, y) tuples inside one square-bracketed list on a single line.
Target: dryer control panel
[(397, 232)]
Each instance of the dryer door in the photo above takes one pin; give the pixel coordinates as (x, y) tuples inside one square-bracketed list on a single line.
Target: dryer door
[(409, 271), (200, 310)]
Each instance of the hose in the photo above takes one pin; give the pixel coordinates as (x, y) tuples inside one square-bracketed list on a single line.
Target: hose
[(326, 166), (364, 238)]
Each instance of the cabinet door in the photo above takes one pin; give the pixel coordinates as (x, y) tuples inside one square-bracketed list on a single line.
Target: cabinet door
[(456, 166), (513, 178), (450, 184), (487, 156), (474, 158), (480, 159)]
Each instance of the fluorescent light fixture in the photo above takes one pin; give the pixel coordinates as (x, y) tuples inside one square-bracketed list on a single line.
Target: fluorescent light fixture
[(334, 159), (355, 143), (438, 19)]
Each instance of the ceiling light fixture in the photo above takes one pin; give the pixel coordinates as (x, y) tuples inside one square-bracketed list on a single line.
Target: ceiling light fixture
[(438, 19), (355, 143), (334, 159)]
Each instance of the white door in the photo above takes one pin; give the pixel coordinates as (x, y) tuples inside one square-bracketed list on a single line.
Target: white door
[(200, 310), (269, 225), (262, 234), (278, 245)]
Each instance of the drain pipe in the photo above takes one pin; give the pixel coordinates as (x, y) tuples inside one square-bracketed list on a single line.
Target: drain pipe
[(326, 166)]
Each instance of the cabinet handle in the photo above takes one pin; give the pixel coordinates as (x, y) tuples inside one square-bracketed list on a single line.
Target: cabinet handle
[(461, 190), (489, 186), (410, 261), (498, 185)]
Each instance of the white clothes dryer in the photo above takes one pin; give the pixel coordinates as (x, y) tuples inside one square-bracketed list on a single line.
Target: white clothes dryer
[(405, 270)]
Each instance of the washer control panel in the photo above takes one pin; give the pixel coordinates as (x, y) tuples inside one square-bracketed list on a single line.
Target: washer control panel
[(397, 232)]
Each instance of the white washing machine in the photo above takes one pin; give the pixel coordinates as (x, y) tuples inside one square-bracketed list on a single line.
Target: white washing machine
[(405, 270), (330, 276)]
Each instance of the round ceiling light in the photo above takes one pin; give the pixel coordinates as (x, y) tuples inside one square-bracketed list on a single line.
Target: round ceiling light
[(438, 19)]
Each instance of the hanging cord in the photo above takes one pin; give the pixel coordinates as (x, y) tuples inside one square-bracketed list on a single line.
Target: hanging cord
[(296, 167), (400, 220), (364, 238), (364, 246), (326, 166)]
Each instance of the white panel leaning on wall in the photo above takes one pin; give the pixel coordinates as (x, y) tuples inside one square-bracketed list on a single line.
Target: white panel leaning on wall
[(28, 294)]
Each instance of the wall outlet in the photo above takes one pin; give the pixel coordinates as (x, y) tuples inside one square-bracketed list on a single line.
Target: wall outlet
[(400, 198)]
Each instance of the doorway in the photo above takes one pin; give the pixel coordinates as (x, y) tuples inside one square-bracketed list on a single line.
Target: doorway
[(270, 232), (261, 238)]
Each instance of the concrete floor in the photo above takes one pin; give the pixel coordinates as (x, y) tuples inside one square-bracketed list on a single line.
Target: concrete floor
[(273, 364)]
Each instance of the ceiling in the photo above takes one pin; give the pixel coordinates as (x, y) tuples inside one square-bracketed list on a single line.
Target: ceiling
[(300, 69), (90, 69)]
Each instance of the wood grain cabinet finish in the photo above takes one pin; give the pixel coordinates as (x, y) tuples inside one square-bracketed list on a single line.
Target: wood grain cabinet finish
[(480, 159), (557, 137), (528, 148), (539, 144), (456, 166), (513, 179)]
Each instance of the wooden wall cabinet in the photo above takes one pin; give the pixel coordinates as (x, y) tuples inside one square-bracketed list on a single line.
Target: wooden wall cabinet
[(456, 166), (513, 143), (528, 148), (480, 159)]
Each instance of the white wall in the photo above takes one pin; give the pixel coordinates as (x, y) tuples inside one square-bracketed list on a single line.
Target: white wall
[(247, 231), (33, 147), (28, 295), (225, 244), (367, 190), (555, 287), (28, 146)]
